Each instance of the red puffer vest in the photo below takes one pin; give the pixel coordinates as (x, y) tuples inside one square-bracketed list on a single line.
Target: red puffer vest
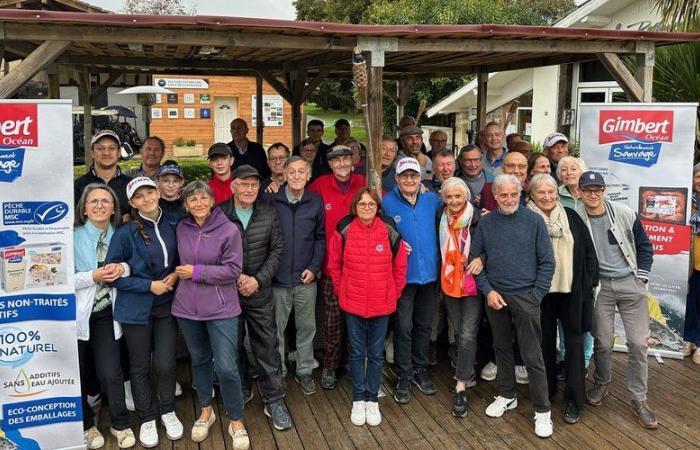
[(367, 284)]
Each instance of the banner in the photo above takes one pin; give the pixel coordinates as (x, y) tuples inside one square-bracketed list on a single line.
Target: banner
[(39, 374), (645, 153)]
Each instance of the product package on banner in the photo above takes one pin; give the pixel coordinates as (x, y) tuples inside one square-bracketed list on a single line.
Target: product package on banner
[(645, 153), (39, 375)]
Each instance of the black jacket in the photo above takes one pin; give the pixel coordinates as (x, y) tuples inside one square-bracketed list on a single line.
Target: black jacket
[(118, 185), (585, 274), (255, 156), (262, 244), (304, 236)]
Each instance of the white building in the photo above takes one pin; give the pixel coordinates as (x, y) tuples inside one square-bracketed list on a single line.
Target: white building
[(550, 96)]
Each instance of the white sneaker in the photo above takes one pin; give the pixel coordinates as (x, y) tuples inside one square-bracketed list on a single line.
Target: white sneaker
[(173, 426), (125, 438), (521, 375), (500, 405), (374, 417), (178, 389), (358, 415), (489, 372), (389, 351), (93, 438), (148, 434), (128, 396), (543, 424), (316, 364)]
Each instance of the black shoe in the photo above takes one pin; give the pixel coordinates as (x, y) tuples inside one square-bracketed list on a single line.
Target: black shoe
[(307, 383), (459, 404), (432, 354), (571, 413), (423, 381), (247, 394), (328, 379), (561, 372), (403, 390)]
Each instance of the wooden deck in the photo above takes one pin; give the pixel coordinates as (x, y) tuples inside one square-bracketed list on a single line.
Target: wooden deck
[(322, 420)]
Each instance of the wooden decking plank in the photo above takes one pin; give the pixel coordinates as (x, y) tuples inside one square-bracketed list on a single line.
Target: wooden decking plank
[(341, 403), (328, 421), (304, 417), (186, 408), (256, 423)]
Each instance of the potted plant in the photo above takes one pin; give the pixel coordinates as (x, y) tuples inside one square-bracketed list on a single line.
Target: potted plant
[(189, 148)]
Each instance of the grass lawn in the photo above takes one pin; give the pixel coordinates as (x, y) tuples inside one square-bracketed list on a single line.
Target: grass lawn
[(357, 122)]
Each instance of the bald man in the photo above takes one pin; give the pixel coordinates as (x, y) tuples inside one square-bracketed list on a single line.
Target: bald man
[(513, 164)]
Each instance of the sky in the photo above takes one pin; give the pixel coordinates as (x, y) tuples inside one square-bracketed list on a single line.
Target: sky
[(267, 9)]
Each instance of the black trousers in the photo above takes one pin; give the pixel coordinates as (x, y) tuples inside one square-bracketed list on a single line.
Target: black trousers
[(100, 357), (258, 320), (412, 327), (160, 334), (556, 306)]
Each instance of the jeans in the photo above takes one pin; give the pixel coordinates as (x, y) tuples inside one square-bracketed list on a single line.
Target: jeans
[(217, 339), (587, 345), (412, 327), (259, 316), (366, 340), (104, 351), (160, 334), (523, 312), (465, 316), (303, 299), (630, 297), (439, 320), (691, 330), (556, 306)]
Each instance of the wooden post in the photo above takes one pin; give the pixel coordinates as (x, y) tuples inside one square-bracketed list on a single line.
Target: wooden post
[(374, 134), (54, 85), (37, 60), (645, 73), (85, 99), (259, 109), (481, 92), (298, 83)]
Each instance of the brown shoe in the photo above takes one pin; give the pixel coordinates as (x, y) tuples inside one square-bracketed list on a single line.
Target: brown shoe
[(596, 395), (646, 416)]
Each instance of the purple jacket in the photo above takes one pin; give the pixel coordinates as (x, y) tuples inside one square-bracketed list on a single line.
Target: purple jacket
[(215, 250)]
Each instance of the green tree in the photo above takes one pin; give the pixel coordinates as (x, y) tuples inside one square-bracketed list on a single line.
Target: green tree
[(160, 7)]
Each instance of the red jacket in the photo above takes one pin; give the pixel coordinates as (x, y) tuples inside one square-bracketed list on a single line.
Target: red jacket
[(222, 189), (335, 202), (366, 276)]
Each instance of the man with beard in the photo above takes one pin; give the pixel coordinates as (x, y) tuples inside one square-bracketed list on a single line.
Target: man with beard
[(411, 139), (517, 273)]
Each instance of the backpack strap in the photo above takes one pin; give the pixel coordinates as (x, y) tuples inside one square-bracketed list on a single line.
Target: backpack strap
[(394, 235), (343, 227)]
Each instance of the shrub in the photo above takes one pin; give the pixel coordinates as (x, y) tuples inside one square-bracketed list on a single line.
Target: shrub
[(194, 168)]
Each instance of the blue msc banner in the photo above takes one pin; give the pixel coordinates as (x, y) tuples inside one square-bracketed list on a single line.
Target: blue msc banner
[(41, 412), (33, 213), (17, 308)]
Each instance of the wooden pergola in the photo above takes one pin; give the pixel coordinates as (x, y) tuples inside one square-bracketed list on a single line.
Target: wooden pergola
[(294, 57)]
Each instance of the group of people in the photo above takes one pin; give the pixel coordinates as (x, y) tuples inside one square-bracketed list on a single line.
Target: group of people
[(492, 236)]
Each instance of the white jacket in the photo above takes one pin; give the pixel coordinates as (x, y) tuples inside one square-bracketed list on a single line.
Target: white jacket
[(85, 288)]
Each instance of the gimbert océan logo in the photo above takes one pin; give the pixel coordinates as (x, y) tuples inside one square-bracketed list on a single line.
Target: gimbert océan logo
[(636, 136)]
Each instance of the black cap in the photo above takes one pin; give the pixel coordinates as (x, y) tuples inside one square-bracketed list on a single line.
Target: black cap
[(340, 122), (219, 149), (246, 171), (591, 178), (171, 167)]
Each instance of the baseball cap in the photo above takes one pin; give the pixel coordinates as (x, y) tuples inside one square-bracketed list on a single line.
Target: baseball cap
[(339, 150), (136, 184), (591, 178), (219, 149), (409, 130), (553, 138), (171, 168), (341, 122), (105, 133), (405, 164), (246, 171)]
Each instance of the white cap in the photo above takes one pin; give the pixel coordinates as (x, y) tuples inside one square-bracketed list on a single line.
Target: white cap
[(106, 133), (137, 183), (553, 138), (405, 164)]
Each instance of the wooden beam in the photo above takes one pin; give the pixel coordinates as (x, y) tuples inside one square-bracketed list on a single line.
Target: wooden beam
[(168, 63), (645, 73), (617, 68), (85, 99), (20, 48), (260, 122), (393, 96), (135, 35), (481, 93), (313, 84), (104, 86), (54, 81), (471, 45), (297, 80), (36, 61), (276, 85), (376, 126)]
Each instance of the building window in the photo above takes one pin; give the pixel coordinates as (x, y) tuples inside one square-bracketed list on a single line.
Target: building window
[(592, 71)]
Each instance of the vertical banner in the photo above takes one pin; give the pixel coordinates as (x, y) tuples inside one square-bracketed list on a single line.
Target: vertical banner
[(39, 375), (645, 153)]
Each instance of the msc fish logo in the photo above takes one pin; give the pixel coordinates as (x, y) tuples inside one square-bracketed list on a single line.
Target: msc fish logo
[(50, 212)]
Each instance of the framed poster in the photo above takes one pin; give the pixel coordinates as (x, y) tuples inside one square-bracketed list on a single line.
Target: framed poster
[(172, 99), (188, 98), (204, 99), (156, 113), (188, 113), (205, 113), (172, 113), (273, 111)]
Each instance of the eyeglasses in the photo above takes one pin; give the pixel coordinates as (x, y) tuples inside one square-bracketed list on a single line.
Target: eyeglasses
[(409, 176), (99, 201), (366, 205), (248, 186), (596, 192)]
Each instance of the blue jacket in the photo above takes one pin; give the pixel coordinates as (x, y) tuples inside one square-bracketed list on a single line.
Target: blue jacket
[(417, 225), (135, 300), (304, 233)]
